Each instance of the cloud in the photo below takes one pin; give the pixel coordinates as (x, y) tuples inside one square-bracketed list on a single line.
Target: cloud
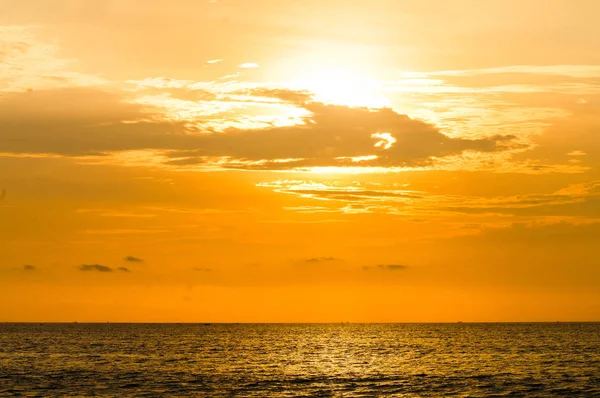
[(320, 259), (267, 126), (28, 63), (124, 231), (202, 269), (94, 267), (365, 198), (100, 268), (29, 267), (332, 136), (90, 122), (133, 259), (386, 267), (394, 267), (573, 137), (248, 65), (578, 71), (287, 95), (75, 122)]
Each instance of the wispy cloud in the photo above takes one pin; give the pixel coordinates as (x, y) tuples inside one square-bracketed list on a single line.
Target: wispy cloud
[(30, 64), (125, 231), (360, 199), (115, 213), (248, 65), (320, 259), (579, 71)]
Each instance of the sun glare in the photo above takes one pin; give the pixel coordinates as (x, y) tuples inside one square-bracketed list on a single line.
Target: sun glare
[(343, 87)]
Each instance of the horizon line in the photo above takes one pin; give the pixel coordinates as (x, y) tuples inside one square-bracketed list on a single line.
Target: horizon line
[(289, 323)]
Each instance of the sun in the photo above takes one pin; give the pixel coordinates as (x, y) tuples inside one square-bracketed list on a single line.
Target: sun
[(344, 87)]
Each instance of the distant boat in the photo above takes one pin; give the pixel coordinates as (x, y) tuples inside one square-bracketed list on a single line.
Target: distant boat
[(207, 324)]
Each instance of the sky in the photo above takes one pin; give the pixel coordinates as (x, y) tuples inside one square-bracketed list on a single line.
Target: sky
[(299, 160)]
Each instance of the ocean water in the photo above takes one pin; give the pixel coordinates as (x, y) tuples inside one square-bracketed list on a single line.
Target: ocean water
[(303, 360)]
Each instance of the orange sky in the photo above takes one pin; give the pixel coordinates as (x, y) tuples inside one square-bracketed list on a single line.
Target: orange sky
[(299, 161)]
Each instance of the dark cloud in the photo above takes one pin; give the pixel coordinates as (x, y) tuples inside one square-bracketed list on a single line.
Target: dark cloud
[(202, 269), (133, 259), (94, 267), (386, 267), (123, 269), (79, 122), (29, 267), (84, 121), (320, 259), (332, 136), (394, 267)]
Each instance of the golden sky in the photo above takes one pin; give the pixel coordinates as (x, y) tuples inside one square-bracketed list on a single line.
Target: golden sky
[(299, 160)]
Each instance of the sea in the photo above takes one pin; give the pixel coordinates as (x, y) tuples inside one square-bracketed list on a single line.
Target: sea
[(300, 360)]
